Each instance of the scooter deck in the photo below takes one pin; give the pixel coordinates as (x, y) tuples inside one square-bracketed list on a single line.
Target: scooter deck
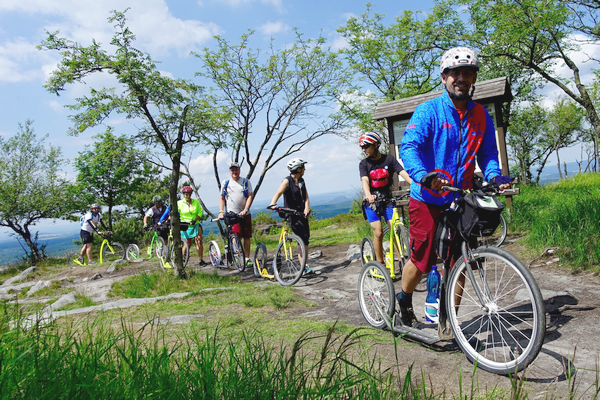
[(414, 333)]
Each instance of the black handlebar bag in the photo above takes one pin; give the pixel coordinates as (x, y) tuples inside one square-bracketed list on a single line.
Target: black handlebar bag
[(478, 215), (232, 218)]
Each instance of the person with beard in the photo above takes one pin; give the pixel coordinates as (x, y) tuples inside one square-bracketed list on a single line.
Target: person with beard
[(376, 174), (446, 135)]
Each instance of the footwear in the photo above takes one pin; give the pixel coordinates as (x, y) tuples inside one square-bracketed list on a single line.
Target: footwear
[(249, 262), (307, 270), (91, 262), (202, 263), (407, 315)]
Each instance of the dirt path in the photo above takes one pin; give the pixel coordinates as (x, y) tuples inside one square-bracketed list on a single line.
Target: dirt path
[(572, 306)]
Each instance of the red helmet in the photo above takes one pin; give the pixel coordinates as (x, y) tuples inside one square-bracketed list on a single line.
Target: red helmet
[(186, 189), (369, 138)]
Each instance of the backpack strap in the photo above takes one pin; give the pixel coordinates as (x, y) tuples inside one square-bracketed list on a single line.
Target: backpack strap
[(224, 191), (244, 184)]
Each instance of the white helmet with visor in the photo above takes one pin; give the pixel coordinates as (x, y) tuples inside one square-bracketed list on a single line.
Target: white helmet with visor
[(459, 57)]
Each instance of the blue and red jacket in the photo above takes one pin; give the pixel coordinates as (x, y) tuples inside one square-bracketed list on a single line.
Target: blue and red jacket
[(436, 140)]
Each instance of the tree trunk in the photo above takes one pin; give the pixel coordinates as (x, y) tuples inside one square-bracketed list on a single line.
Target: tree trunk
[(35, 254), (558, 164), (174, 214), (596, 156)]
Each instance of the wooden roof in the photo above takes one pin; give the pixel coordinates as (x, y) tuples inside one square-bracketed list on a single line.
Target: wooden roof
[(491, 91)]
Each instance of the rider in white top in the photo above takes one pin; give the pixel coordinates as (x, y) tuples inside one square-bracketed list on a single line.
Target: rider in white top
[(237, 197), (89, 222)]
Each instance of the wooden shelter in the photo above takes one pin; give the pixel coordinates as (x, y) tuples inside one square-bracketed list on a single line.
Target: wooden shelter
[(491, 94)]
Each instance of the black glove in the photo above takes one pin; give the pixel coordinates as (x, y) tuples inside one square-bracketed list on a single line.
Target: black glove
[(427, 180)]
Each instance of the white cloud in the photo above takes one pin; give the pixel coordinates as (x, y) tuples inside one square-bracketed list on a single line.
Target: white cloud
[(278, 4), (582, 59), (158, 32), (56, 106), (339, 43), (270, 28), (332, 165), (16, 59)]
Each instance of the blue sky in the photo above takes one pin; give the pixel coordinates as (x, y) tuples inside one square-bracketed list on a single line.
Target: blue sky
[(169, 30)]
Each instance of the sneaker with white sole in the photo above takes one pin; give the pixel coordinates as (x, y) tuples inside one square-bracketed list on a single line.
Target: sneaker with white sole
[(307, 270)]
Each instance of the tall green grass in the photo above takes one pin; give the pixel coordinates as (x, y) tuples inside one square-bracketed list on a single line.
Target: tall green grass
[(564, 215), (92, 359)]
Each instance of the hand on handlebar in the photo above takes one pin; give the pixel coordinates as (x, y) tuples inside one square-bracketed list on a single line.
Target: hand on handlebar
[(371, 198), (502, 181), (433, 181), (272, 206)]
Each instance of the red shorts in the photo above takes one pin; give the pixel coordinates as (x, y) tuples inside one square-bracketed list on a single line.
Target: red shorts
[(244, 228), (423, 223)]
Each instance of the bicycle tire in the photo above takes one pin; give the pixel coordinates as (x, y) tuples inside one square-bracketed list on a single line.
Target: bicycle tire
[(162, 253), (287, 268), (404, 240), (185, 253), (214, 253), (238, 258), (260, 259), (74, 260), (152, 247), (117, 252), (403, 236), (505, 334), (367, 251), (132, 252), (376, 289), (503, 231)]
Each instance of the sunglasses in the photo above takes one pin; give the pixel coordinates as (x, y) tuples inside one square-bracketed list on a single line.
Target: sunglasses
[(365, 146)]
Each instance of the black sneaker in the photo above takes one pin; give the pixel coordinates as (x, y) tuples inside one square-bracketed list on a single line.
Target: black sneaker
[(407, 316)]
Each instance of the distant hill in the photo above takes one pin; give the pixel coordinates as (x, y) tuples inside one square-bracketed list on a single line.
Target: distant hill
[(60, 238), (10, 251), (550, 172)]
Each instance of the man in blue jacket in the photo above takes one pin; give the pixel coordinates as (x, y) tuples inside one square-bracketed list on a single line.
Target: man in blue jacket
[(446, 135)]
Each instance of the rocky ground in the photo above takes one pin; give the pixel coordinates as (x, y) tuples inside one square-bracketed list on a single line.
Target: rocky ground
[(572, 305)]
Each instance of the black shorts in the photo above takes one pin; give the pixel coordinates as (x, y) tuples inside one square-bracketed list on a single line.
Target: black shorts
[(164, 233), (300, 227), (86, 237)]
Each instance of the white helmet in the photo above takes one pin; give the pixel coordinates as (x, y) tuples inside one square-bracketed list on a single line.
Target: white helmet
[(459, 57), (295, 163)]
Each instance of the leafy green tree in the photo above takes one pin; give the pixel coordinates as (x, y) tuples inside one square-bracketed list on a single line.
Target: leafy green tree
[(394, 61), (283, 98), (113, 171), (148, 186), (402, 59), (539, 35), (31, 186), (564, 126), (525, 139), (171, 113)]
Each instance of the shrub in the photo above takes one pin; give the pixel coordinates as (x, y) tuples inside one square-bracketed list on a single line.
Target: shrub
[(564, 215), (263, 218), (130, 230)]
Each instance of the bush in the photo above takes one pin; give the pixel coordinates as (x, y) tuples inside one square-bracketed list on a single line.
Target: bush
[(564, 215), (130, 230), (263, 218)]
